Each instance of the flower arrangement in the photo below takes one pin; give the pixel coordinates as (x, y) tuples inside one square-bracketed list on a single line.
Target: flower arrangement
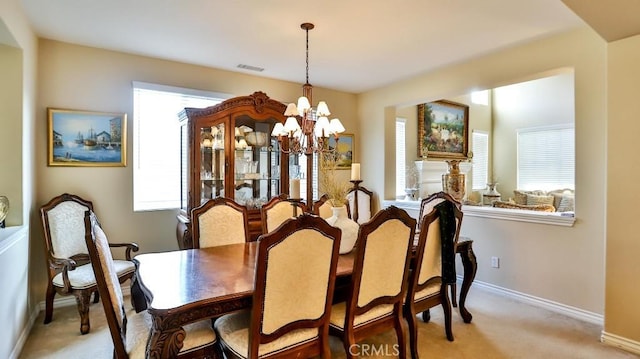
[(335, 189)]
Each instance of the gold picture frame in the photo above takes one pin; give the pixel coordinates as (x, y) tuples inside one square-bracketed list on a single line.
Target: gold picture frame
[(443, 130), (86, 138)]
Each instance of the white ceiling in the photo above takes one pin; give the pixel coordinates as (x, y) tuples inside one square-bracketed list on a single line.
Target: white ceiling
[(357, 45)]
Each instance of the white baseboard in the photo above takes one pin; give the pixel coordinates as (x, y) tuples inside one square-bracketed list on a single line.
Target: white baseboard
[(620, 342), (69, 300), (564, 309)]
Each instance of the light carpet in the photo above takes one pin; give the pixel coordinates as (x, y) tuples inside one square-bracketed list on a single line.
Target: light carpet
[(501, 328)]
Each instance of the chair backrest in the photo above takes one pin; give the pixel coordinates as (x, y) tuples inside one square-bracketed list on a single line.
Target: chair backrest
[(303, 247), (322, 207), (107, 281), (381, 265), (364, 204), (428, 257), (428, 204), (277, 210), (219, 221), (63, 226)]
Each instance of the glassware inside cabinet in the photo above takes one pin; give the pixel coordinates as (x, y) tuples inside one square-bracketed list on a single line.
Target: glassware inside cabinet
[(212, 161)]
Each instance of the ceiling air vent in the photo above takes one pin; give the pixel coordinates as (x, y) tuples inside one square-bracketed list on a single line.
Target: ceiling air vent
[(249, 67)]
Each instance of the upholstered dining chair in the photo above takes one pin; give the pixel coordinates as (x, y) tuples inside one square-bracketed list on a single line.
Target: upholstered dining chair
[(427, 288), (68, 265), (361, 207), (378, 283), (129, 330), (322, 207), (219, 221), (289, 317), (426, 206), (277, 210)]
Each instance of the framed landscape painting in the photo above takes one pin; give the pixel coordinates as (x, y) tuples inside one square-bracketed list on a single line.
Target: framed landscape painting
[(85, 138), (443, 130), (343, 150)]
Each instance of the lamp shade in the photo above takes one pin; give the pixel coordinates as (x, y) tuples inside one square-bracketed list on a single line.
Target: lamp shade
[(303, 105), (291, 110), (278, 130), (321, 128), (335, 126), (291, 125), (323, 109)]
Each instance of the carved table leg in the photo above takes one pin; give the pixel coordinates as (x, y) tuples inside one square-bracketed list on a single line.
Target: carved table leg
[(470, 267), (165, 343)]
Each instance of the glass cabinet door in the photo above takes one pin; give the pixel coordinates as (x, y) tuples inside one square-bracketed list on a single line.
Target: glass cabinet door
[(257, 164), (212, 162)]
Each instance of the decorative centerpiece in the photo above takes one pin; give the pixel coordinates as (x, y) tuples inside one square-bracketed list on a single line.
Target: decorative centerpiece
[(337, 190), (453, 182), (490, 195)]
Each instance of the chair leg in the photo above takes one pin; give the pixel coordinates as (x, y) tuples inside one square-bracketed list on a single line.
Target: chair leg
[(446, 308), (454, 302), (83, 300), (426, 316), (48, 312), (402, 337), (413, 331), (350, 348)]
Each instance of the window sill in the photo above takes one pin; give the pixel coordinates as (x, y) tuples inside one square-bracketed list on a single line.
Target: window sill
[(518, 215)]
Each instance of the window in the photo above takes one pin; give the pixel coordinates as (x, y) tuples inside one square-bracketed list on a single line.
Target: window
[(480, 161), (401, 158), (156, 142), (546, 158)]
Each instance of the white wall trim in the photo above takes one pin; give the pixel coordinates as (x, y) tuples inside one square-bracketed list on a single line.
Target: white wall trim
[(69, 300), (17, 349), (564, 309), (620, 342)]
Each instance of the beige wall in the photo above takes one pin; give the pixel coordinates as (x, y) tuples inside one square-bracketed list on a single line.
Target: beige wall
[(83, 78), (542, 102), (558, 264), (623, 194)]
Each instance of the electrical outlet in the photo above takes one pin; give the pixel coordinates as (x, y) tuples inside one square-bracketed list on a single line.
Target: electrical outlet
[(495, 262)]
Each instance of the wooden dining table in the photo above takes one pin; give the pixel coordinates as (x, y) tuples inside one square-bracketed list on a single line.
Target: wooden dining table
[(186, 286)]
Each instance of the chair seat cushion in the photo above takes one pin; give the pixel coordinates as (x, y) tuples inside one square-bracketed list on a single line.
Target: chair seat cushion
[(199, 334), (338, 312), (431, 289), (233, 330), (82, 277)]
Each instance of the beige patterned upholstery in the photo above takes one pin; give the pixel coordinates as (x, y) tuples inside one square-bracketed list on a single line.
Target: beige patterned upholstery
[(219, 221), (278, 210), (133, 327), (67, 229), (304, 247), (68, 265), (379, 280), (432, 261), (325, 211)]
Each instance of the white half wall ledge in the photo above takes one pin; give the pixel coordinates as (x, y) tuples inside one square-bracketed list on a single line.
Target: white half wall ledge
[(620, 342), (547, 218)]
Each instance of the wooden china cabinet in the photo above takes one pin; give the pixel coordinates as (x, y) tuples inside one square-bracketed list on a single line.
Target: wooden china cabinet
[(227, 151)]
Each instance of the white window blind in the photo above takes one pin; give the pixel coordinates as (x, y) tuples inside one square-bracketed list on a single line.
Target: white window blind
[(401, 158), (480, 161), (156, 142), (546, 158), (302, 161)]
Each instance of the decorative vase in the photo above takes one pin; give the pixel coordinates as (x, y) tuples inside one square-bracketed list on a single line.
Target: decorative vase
[(348, 226), (453, 182), (490, 195)]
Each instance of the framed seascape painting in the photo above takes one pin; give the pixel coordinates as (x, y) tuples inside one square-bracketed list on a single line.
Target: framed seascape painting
[(85, 138), (443, 130), (343, 150)]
